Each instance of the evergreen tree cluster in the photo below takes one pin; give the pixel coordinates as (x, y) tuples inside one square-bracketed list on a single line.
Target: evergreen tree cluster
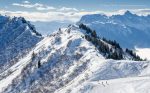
[(101, 46), (135, 57), (84, 27), (113, 52), (23, 20), (33, 58), (113, 43), (34, 30)]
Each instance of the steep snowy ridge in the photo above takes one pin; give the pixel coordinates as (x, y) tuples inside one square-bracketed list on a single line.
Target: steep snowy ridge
[(108, 48), (17, 37), (63, 61), (60, 51), (129, 30)]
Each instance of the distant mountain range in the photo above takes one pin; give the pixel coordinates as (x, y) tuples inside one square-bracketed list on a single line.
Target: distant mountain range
[(129, 30)]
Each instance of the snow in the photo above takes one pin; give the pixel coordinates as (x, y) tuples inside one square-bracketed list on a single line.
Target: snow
[(110, 82), (123, 85), (143, 53), (17, 38), (76, 48), (16, 69), (68, 57)]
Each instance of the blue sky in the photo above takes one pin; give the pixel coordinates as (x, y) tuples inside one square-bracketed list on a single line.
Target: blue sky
[(107, 5), (72, 10)]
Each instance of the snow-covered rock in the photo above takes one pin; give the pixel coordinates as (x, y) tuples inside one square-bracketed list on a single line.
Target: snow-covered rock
[(17, 37)]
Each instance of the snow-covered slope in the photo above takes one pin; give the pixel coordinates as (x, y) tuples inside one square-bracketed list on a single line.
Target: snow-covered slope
[(17, 37), (122, 85), (65, 61), (129, 30), (143, 53), (136, 84), (63, 56)]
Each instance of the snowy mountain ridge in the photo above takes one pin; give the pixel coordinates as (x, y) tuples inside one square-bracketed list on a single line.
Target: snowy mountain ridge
[(56, 52), (17, 37), (72, 60), (62, 61)]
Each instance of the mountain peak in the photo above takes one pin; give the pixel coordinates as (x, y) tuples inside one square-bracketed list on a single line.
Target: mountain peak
[(128, 13), (23, 21), (16, 37)]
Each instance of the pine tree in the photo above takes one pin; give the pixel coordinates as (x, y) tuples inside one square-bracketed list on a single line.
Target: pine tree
[(33, 56), (93, 34), (39, 64), (59, 29)]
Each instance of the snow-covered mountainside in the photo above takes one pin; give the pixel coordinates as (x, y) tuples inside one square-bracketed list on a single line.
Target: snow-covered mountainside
[(129, 30), (71, 60), (17, 37), (143, 53)]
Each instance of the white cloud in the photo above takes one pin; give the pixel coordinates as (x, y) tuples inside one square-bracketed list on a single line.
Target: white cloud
[(41, 7), (27, 5), (123, 5), (26, 2), (45, 8), (68, 9), (37, 6), (145, 11), (40, 16), (70, 15)]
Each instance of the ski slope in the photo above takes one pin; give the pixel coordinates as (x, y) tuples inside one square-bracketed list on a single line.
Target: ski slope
[(109, 81), (122, 85)]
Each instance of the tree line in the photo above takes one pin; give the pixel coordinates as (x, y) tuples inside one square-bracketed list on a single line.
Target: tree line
[(110, 49)]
